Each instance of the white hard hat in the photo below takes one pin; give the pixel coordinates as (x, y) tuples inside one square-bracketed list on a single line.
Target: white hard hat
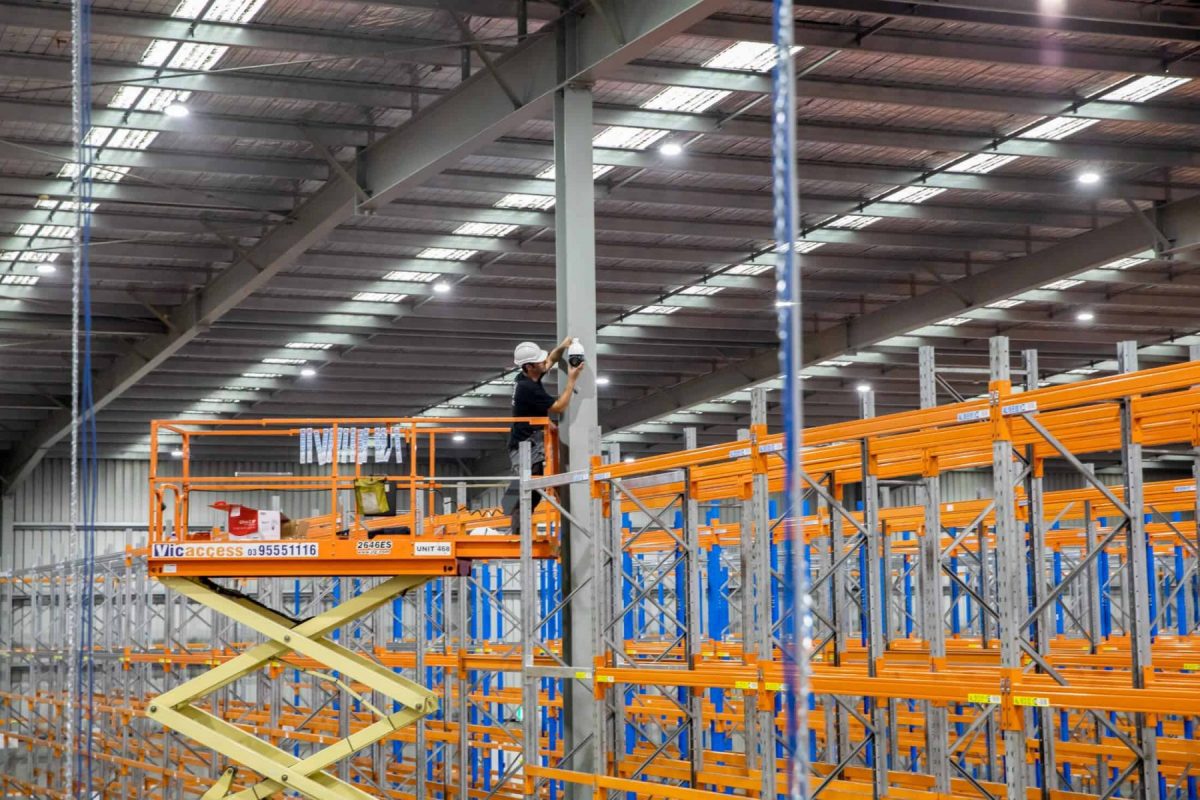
[(528, 353)]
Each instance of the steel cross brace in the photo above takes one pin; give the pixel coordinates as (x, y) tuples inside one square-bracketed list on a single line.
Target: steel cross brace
[(175, 709)]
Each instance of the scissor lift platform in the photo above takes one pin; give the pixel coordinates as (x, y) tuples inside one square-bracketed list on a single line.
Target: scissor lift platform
[(408, 550), (430, 556)]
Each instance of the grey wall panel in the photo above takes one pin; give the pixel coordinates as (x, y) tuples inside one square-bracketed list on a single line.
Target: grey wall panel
[(40, 506)]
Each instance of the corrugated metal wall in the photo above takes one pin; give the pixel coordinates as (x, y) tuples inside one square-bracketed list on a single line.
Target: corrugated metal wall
[(39, 509)]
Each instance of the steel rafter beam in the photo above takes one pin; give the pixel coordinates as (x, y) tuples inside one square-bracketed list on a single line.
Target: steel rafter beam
[(257, 83), (1100, 17), (955, 45), (837, 172), (478, 111), (1179, 221), (825, 132), (676, 195), (893, 92), (252, 36)]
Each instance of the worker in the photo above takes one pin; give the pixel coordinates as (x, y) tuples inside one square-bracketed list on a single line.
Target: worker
[(530, 399)]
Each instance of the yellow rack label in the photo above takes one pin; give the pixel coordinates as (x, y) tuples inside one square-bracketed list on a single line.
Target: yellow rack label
[(774, 687), (1192, 667), (745, 684), (604, 679), (986, 699), (1040, 702), (583, 676)]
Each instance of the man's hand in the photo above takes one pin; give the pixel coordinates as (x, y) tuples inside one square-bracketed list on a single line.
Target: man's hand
[(566, 343), (573, 372)]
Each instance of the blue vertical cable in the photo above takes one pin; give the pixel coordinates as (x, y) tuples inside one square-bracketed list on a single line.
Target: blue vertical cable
[(84, 689), (783, 152)]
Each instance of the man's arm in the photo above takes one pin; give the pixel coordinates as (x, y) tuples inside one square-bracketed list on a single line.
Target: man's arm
[(564, 399), (556, 354)]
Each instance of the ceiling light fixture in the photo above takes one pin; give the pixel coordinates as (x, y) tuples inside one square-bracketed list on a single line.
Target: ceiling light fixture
[(441, 287), (177, 453), (602, 380), (863, 388), (628, 459), (460, 437), (671, 149), (1085, 316), (307, 372), (46, 268), (177, 110), (1089, 178)]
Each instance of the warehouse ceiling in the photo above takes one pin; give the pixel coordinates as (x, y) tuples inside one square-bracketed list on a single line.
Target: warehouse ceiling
[(965, 171)]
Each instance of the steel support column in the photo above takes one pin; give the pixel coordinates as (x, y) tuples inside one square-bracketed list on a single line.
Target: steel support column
[(937, 726), (874, 596), (1141, 634), (1010, 567), (575, 252)]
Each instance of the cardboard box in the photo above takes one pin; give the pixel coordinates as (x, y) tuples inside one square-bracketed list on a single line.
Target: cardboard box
[(250, 524), (295, 529)]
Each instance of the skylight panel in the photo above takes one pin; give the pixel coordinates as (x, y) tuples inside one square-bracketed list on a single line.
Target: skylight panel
[(62, 205), (197, 57), (226, 400), (157, 53), (1058, 128), (1066, 283), (232, 388), (97, 137), (308, 345), (413, 277), (295, 362), (33, 230), (833, 362), (539, 202), (1124, 263), (703, 289), (29, 256), (262, 375), (657, 309), (18, 280), (912, 194), (1083, 371), (446, 254), (379, 297), (627, 138), (1144, 88), (746, 56), (954, 322), (57, 232), (686, 98), (982, 163), (98, 173), (854, 221), (125, 97), (485, 229), (1010, 303), (132, 139), (159, 99), (749, 269), (219, 11)]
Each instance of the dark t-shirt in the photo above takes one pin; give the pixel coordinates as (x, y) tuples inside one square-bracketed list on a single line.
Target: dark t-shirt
[(530, 399)]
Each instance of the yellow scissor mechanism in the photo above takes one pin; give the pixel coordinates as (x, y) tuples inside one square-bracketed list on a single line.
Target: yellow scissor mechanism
[(176, 709)]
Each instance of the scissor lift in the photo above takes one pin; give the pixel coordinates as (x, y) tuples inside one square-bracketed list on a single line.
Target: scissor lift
[(396, 547)]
